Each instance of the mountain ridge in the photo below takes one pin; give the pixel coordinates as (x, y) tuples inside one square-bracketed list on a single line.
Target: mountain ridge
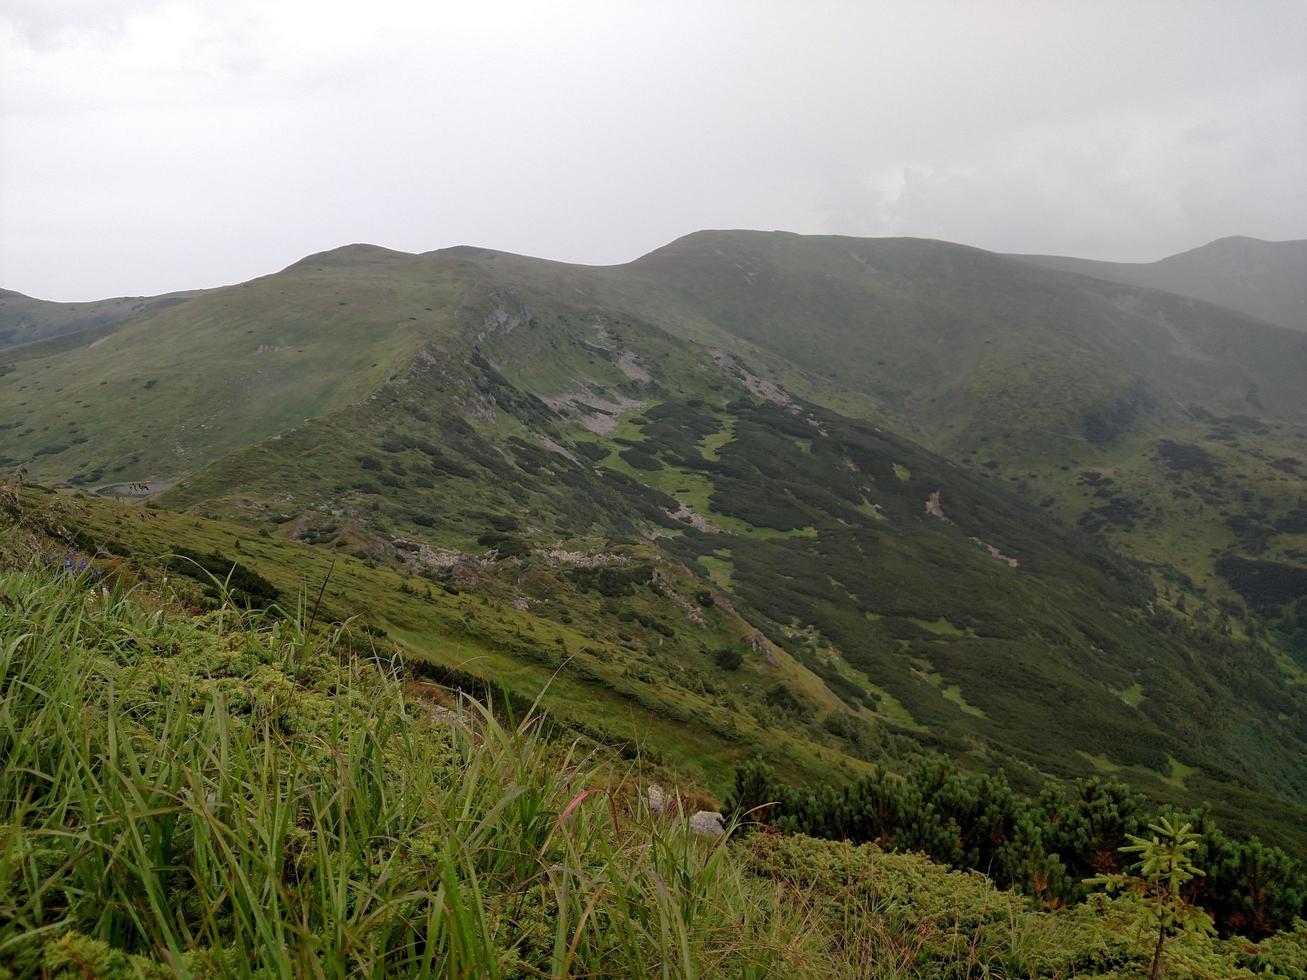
[(354, 250)]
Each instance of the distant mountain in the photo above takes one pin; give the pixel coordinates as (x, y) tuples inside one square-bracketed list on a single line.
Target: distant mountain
[(1174, 427), (24, 320), (970, 346), (926, 492), (1262, 279)]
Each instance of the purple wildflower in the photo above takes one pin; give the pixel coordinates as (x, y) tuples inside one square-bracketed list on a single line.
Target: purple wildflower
[(73, 563)]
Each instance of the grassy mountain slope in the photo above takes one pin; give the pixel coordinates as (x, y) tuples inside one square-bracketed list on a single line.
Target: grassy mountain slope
[(816, 529), (303, 810), (168, 392), (1087, 397), (968, 345), (641, 676), (1267, 280), (693, 457)]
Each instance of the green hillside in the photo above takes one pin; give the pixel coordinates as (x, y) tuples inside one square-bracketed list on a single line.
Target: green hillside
[(170, 391), (641, 673), (1090, 399), (822, 541), (831, 500), (196, 787), (970, 346)]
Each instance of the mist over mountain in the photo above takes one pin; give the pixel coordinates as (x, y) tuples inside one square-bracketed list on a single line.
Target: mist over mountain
[(1267, 280)]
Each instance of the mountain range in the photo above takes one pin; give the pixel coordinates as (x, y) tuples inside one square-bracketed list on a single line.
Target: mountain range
[(828, 500)]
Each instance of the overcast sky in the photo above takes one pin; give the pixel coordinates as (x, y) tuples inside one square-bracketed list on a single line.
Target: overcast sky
[(151, 145)]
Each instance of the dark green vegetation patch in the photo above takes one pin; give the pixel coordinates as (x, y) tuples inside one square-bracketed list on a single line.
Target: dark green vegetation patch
[(220, 575)]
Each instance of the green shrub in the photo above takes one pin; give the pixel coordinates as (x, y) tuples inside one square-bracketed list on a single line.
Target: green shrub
[(1046, 847), (613, 581), (223, 576), (728, 658), (505, 545), (640, 459)]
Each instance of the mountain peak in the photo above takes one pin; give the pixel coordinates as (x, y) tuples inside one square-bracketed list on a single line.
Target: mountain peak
[(1237, 239), (358, 253), (1226, 244)]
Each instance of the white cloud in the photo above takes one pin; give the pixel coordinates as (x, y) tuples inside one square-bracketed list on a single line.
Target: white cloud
[(148, 145)]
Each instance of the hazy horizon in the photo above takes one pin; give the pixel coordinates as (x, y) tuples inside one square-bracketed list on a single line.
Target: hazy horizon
[(419, 251), (148, 146)]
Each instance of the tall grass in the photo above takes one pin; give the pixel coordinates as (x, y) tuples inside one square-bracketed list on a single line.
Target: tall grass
[(235, 797)]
